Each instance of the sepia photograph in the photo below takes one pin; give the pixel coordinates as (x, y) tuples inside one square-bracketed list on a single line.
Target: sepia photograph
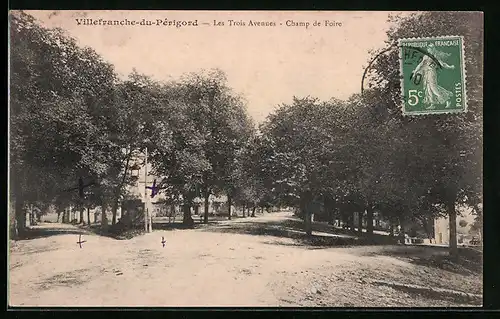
[(245, 159)]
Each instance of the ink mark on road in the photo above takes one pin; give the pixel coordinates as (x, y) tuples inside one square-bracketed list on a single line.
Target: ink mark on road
[(163, 241), (80, 241)]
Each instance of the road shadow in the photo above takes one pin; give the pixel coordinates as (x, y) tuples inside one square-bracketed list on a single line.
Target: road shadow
[(114, 231), (309, 245), (374, 239), (293, 228), (121, 231), (180, 225), (469, 261), (48, 231)]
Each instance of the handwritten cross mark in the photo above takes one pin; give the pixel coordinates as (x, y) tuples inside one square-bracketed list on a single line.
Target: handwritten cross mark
[(80, 241), (154, 189)]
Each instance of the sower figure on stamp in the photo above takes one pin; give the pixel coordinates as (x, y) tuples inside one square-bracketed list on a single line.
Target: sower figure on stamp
[(434, 93)]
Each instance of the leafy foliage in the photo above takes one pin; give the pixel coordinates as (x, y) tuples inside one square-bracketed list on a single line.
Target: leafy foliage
[(70, 116)]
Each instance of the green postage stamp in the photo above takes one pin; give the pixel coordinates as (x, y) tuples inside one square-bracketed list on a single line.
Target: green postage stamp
[(433, 75)]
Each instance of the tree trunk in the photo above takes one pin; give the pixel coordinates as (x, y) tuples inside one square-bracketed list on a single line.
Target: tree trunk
[(114, 209), (119, 188), (113, 219), (20, 217), (351, 222), (82, 219), (428, 228), (479, 213), (402, 231), (481, 233), (170, 212), (20, 214), (244, 207), (335, 216), (187, 220), (77, 214), (306, 212), (328, 205), (70, 214), (58, 216), (453, 230), (104, 218), (308, 222), (343, 219), (205, 217), (88, 216), (360, 223), (369, 219), (253, 211), (229, 203), (31, 217)]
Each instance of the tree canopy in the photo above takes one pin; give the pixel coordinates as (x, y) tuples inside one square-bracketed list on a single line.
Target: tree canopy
[(71, 116)]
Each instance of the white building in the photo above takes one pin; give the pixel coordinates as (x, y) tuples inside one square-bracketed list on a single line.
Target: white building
[(442, 227), (217, 204), (144, 179)]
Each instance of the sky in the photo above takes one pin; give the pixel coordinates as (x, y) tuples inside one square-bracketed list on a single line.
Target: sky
[(268, 65)]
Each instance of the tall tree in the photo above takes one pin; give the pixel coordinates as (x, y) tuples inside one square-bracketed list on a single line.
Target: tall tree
[(447, 167), (54, 86), (176, 152), (220, 117)]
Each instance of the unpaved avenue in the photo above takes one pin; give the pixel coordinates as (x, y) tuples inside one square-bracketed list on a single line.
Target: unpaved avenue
[(204, 268)]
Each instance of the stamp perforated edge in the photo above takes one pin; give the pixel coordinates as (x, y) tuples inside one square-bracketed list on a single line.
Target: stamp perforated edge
[(464, 75)]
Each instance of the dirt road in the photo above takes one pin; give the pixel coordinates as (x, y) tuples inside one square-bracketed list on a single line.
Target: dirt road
[(213, 267)]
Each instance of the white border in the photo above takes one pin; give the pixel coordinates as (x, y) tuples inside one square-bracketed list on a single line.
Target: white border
[(464, 75)]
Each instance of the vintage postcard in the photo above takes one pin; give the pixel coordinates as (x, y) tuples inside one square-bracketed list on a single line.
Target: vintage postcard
[(245, 159)]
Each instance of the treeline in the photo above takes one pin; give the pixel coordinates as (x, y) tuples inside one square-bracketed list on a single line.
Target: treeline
[(71, 116), (362, 155)]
